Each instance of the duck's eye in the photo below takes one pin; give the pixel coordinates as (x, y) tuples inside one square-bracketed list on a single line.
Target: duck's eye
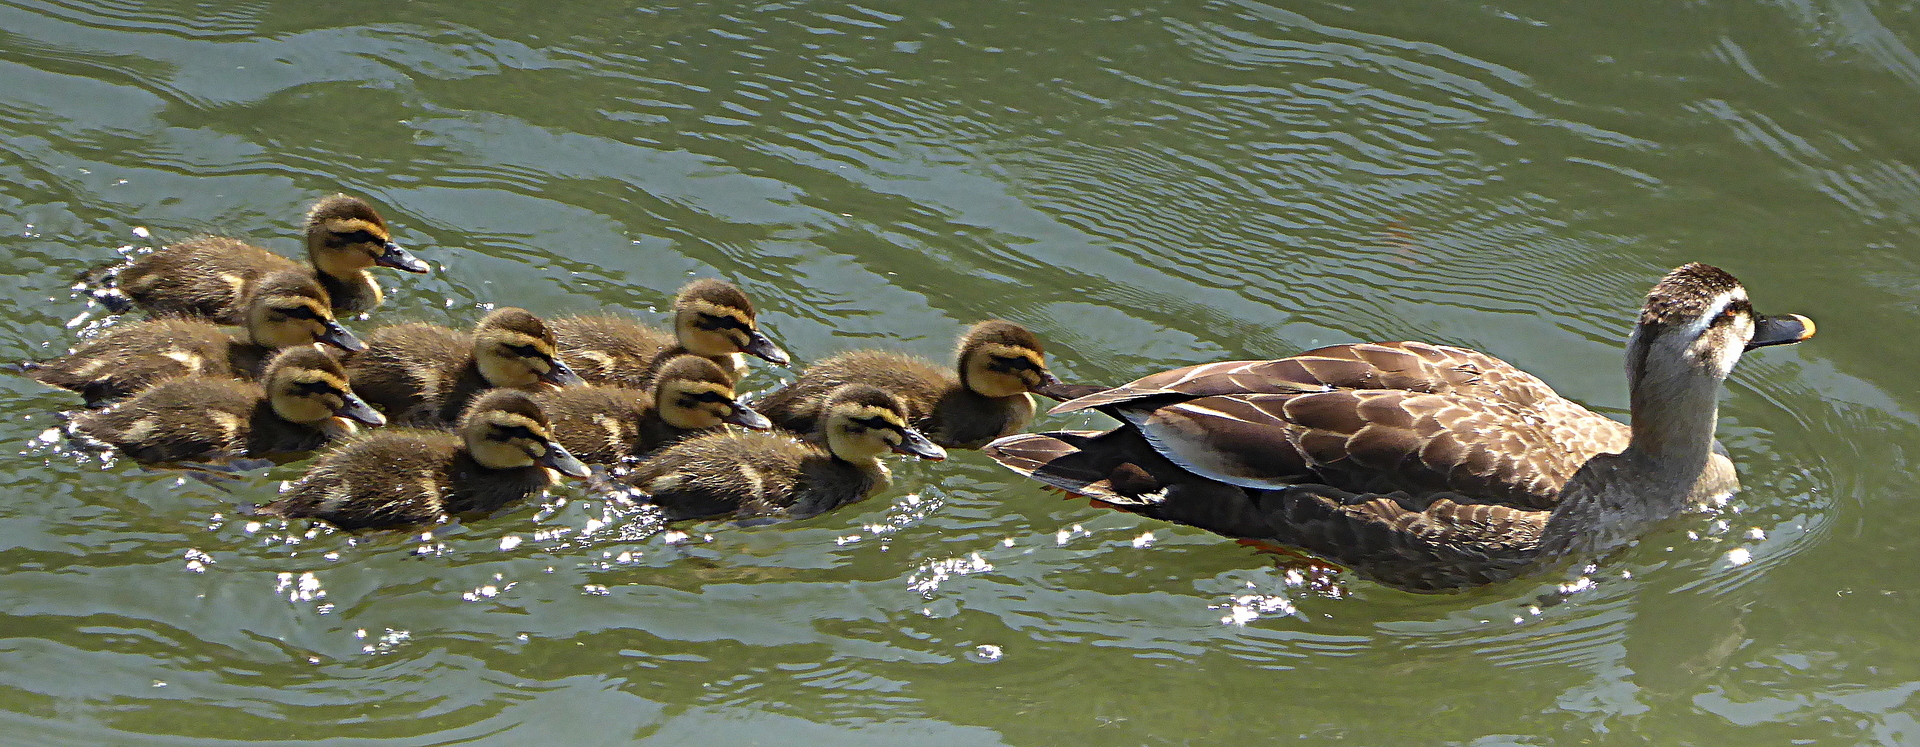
[(357, 237), (525, 351), (719, 322), (300, 312), (877, 424)]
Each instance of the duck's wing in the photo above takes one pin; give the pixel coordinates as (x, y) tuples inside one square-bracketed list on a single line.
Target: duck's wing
[(1408, 366), (1373, 440)]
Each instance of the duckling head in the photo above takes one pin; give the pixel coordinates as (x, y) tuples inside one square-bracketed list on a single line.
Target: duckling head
[(345, 236), (713, 318), (515, 349), (288, 308), (1697, 321), (1002, 359), (694, 393), (305, 385), (864, 422), (505, 429)]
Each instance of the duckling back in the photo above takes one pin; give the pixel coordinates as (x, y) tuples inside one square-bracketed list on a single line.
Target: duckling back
[(128, 358), (610, 350), (196, 418), (202, 277), (410, 371), (394, 477), (918, 383), (751, 473), (601, 424)]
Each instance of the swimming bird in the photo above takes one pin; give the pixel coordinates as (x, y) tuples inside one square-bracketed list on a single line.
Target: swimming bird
[(761, 474), (284, 309), (610, 424), (1424, 467), (302, 402), (998, 363), (500, 454), (211, 275), (425, 374), (711, 318)]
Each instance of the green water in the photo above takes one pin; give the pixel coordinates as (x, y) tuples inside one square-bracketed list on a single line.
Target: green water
[(1146, 185)]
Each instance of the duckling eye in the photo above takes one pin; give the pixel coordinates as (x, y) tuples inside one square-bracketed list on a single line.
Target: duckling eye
[(525, 351), (1011, 365), (300, 312), (313, 389), (513, 433), (358, 237), (877, 424), (718, 322)]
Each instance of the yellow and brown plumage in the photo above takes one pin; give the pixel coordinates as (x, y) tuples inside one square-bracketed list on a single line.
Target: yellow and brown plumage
[(500, 454), (284, 309), (610, 425), (997, 363), (748, 474), (1425, 467), (302, 402), (212, 275), (712, 319), (423, 374)]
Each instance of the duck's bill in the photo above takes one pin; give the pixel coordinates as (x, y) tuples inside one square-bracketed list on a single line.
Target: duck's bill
[(746, 418), (918, 445), (558, 458), (561, 374), (759, 346), (392, 255), (1780, 330), (339, 337), (357, 409)]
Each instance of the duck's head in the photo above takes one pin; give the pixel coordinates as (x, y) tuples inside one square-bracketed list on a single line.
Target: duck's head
[(863, 423), (1002, 359), (1697, 321), (345, 235), (694, 393), (288, 308), (713, 318), (504, 429), (515, 349), (305, 385)]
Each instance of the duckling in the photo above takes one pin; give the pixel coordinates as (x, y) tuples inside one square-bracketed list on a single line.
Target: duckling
[(711, 318), (500, 454), (284, 309), (423, 374), (999, 363), (765, 474), (210, 276), (608, 425), (305, 404)]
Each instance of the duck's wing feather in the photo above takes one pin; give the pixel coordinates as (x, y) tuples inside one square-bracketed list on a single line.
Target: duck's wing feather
[(1378, 440)]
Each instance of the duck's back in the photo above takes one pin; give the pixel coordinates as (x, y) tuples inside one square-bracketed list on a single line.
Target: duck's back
[(411, 370), (205, 277), (609, 349), (918, 383), (1369, 418)]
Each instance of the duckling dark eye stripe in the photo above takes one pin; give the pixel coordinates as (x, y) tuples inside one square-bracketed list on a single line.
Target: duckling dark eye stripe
[(300, 312), (713, 321), (878, 424)]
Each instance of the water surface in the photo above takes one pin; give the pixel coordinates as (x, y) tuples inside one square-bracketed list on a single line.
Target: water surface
[(1146, 185)]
